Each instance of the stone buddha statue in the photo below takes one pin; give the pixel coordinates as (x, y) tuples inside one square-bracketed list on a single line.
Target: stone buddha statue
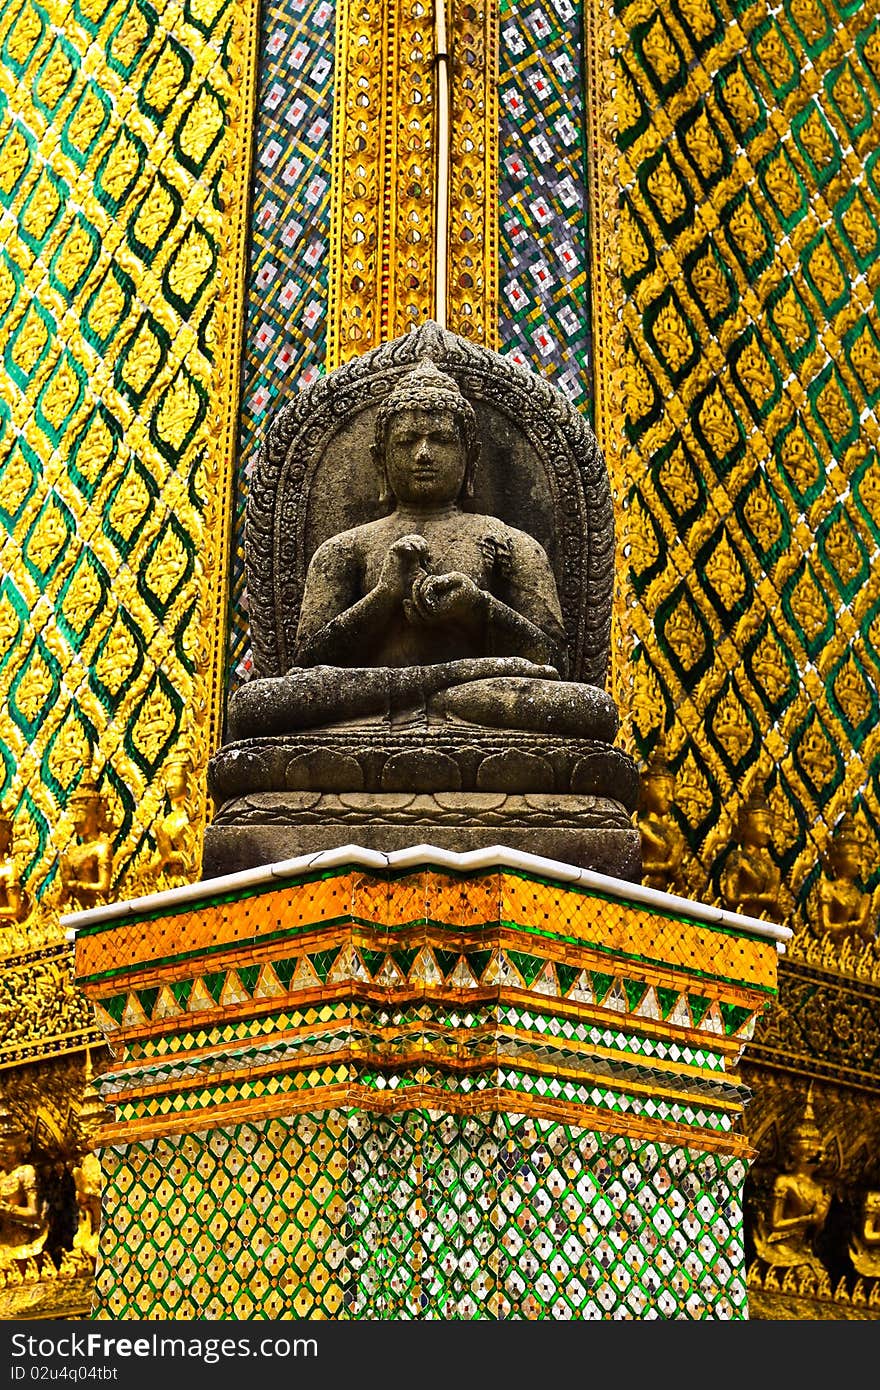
[(429, 552), (844, 908), (785, 1234), (399, 613), (750, 879)]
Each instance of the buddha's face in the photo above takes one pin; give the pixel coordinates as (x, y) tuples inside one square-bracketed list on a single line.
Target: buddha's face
[(661, 793), (845, 860), (85, 817), (176, 781), (425, 460), (805, 1153), (758, 828)]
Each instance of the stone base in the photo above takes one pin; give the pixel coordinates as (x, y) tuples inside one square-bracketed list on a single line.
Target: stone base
[(592, 832), (450, 784), (423, 757)]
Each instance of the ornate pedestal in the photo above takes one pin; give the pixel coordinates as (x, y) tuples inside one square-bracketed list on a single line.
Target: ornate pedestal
[(423, 1085), (564, 798)]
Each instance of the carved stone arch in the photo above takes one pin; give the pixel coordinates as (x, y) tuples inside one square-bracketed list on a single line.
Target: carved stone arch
[(541, 470)]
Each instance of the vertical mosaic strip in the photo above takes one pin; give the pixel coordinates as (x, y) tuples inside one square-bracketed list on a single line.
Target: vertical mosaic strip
[(286, 329), (544, 253), (122, 132), (750, 236), (346, 1214)]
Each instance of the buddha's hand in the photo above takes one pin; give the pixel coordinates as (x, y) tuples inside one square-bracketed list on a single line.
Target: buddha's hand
[(444, 598), (405, 560)]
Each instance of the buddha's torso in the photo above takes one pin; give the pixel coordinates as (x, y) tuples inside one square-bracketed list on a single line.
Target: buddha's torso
[(456, 541), (843, 902), (481, 547), (9, 891), (84, 861), (756, 871), (12, 1187), (803, 1196)]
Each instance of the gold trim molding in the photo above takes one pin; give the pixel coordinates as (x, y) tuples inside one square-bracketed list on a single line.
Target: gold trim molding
[(606, 302), (230, 318), (472, 306), (382, 239)]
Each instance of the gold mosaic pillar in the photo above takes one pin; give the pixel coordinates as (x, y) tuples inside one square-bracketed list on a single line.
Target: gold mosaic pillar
[(386, 165), (423, 1085), (124, 154), (750, 229)]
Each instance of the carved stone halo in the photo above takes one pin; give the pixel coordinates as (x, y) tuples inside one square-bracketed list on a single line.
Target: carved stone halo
[(541, 471)]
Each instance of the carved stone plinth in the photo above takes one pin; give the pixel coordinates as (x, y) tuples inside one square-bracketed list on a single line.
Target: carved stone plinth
[(567, 799), (266, 827)]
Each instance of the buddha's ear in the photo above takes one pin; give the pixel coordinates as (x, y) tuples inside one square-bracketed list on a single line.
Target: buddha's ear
[(379, 463), (470, 473)]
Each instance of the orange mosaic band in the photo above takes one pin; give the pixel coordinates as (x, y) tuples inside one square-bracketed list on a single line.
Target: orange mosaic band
[(360, 1098), (565, 913), (466, 992)]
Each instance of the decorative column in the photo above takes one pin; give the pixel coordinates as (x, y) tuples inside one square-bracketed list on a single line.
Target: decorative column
[(387, 162), (423, 1085)]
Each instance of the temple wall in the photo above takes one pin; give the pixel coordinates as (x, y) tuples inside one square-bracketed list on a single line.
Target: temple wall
[(124, 153), (124, 149), (749, 234), (749, 238)]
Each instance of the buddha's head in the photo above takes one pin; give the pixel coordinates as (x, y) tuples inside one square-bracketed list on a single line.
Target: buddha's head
[(805, 1142), (755, 821), (426, 446), (657, 786), (178, 776), (845, 854), (92, 1111), (89, 807)]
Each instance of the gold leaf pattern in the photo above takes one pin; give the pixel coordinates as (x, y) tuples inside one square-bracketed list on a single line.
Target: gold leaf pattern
[(69, 120)]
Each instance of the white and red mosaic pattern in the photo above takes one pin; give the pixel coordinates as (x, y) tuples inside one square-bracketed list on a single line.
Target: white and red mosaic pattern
[(544, 299)]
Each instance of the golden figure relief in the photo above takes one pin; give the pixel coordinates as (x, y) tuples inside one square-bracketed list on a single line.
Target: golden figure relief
[(87, 1176), (844, 909), (662, 840), (176, 837), (14, 901), (24, 1223), (87, 867), (785, 1236), (864, 1249), (750, 880), (711, 286)]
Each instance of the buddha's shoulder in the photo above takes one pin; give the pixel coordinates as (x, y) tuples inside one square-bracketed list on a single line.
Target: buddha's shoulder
[(353, 542), (511, 535)]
